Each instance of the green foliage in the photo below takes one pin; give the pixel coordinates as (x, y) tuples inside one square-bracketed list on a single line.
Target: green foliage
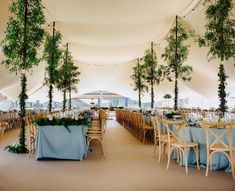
[(139, 81), (67, 78), (22, 97), (221, 89), (167, 96), (171, 115), (176, 54), (220, 38), (154, 73), (18, 148), (63, 122), (52, 55), (23, 37), (220, 30)]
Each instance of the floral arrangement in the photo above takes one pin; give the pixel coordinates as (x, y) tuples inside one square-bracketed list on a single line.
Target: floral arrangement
[(84, 119)]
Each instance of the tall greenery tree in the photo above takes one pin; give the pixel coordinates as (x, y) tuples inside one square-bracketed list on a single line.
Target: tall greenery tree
[(67, 77), (23, 37), (139, 81), (220, 38), (175, 54), (73, 81), (154, 73), (52, 55)]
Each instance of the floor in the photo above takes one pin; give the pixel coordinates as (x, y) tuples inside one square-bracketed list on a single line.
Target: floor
[(128, 165)]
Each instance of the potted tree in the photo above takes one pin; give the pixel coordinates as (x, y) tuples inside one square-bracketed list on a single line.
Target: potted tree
[(23, 37), (219, 37), (154, 73), (139, 81), (175, 54), (52, 55)]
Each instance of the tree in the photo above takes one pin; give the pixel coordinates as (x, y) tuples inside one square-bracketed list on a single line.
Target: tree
[(154, 73), (175, 54), (220, 38), (67, 77), (52, 55), (167, 97), (73, 81), (23, 37), (139, 81)]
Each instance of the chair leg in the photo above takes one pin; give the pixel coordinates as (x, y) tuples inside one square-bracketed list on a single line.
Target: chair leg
[(144, 136), (159, 152), (197, 157), (185, 160), (208, 164), (169, 157)]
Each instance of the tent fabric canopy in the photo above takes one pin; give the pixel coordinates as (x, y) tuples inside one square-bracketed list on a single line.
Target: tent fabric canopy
[(107, 36)]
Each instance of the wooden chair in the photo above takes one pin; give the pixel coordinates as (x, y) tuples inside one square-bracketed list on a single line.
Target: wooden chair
[(160, 136), (32, 135), (3, 126), (216, 143), (144, 128), (181, 145), (98, 132)]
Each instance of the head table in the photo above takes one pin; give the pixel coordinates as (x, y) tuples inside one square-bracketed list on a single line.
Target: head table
[(57, 142)]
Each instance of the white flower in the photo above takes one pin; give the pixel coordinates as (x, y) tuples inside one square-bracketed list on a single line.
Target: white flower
[(50, 117)]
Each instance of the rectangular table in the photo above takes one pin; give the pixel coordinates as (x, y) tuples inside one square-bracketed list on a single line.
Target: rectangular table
[(58, 143)]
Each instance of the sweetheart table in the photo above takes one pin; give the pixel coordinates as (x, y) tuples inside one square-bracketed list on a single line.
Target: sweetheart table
[(57, 142)]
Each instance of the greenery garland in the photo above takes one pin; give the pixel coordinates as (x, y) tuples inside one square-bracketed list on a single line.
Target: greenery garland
[(221, 89), (63, 122), (23, 37)]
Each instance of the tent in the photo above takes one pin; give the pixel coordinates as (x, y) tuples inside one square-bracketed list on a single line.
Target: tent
[(107, 36)]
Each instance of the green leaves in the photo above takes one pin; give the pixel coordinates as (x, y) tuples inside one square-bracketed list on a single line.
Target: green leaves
[(16, 39), (139, 80), (220, 39), (23, 37), (52, 54), (220, 30), (67, 77)]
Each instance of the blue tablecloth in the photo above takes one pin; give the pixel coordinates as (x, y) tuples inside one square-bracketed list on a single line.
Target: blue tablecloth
[(197, 134), (58, 143)]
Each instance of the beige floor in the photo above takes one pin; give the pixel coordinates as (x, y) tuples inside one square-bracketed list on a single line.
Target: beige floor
[(128, 165)]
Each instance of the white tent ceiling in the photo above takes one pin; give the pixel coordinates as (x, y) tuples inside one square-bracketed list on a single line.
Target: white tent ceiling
[(106, 36)]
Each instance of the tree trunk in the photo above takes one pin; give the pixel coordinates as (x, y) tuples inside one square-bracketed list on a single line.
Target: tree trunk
[(22, 113), (50, 98), (176, 65), (222, 91), (139, 93), (51, 72), (70, 100), (152, 96), (176, 94), (64, 99), (23, 95)]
